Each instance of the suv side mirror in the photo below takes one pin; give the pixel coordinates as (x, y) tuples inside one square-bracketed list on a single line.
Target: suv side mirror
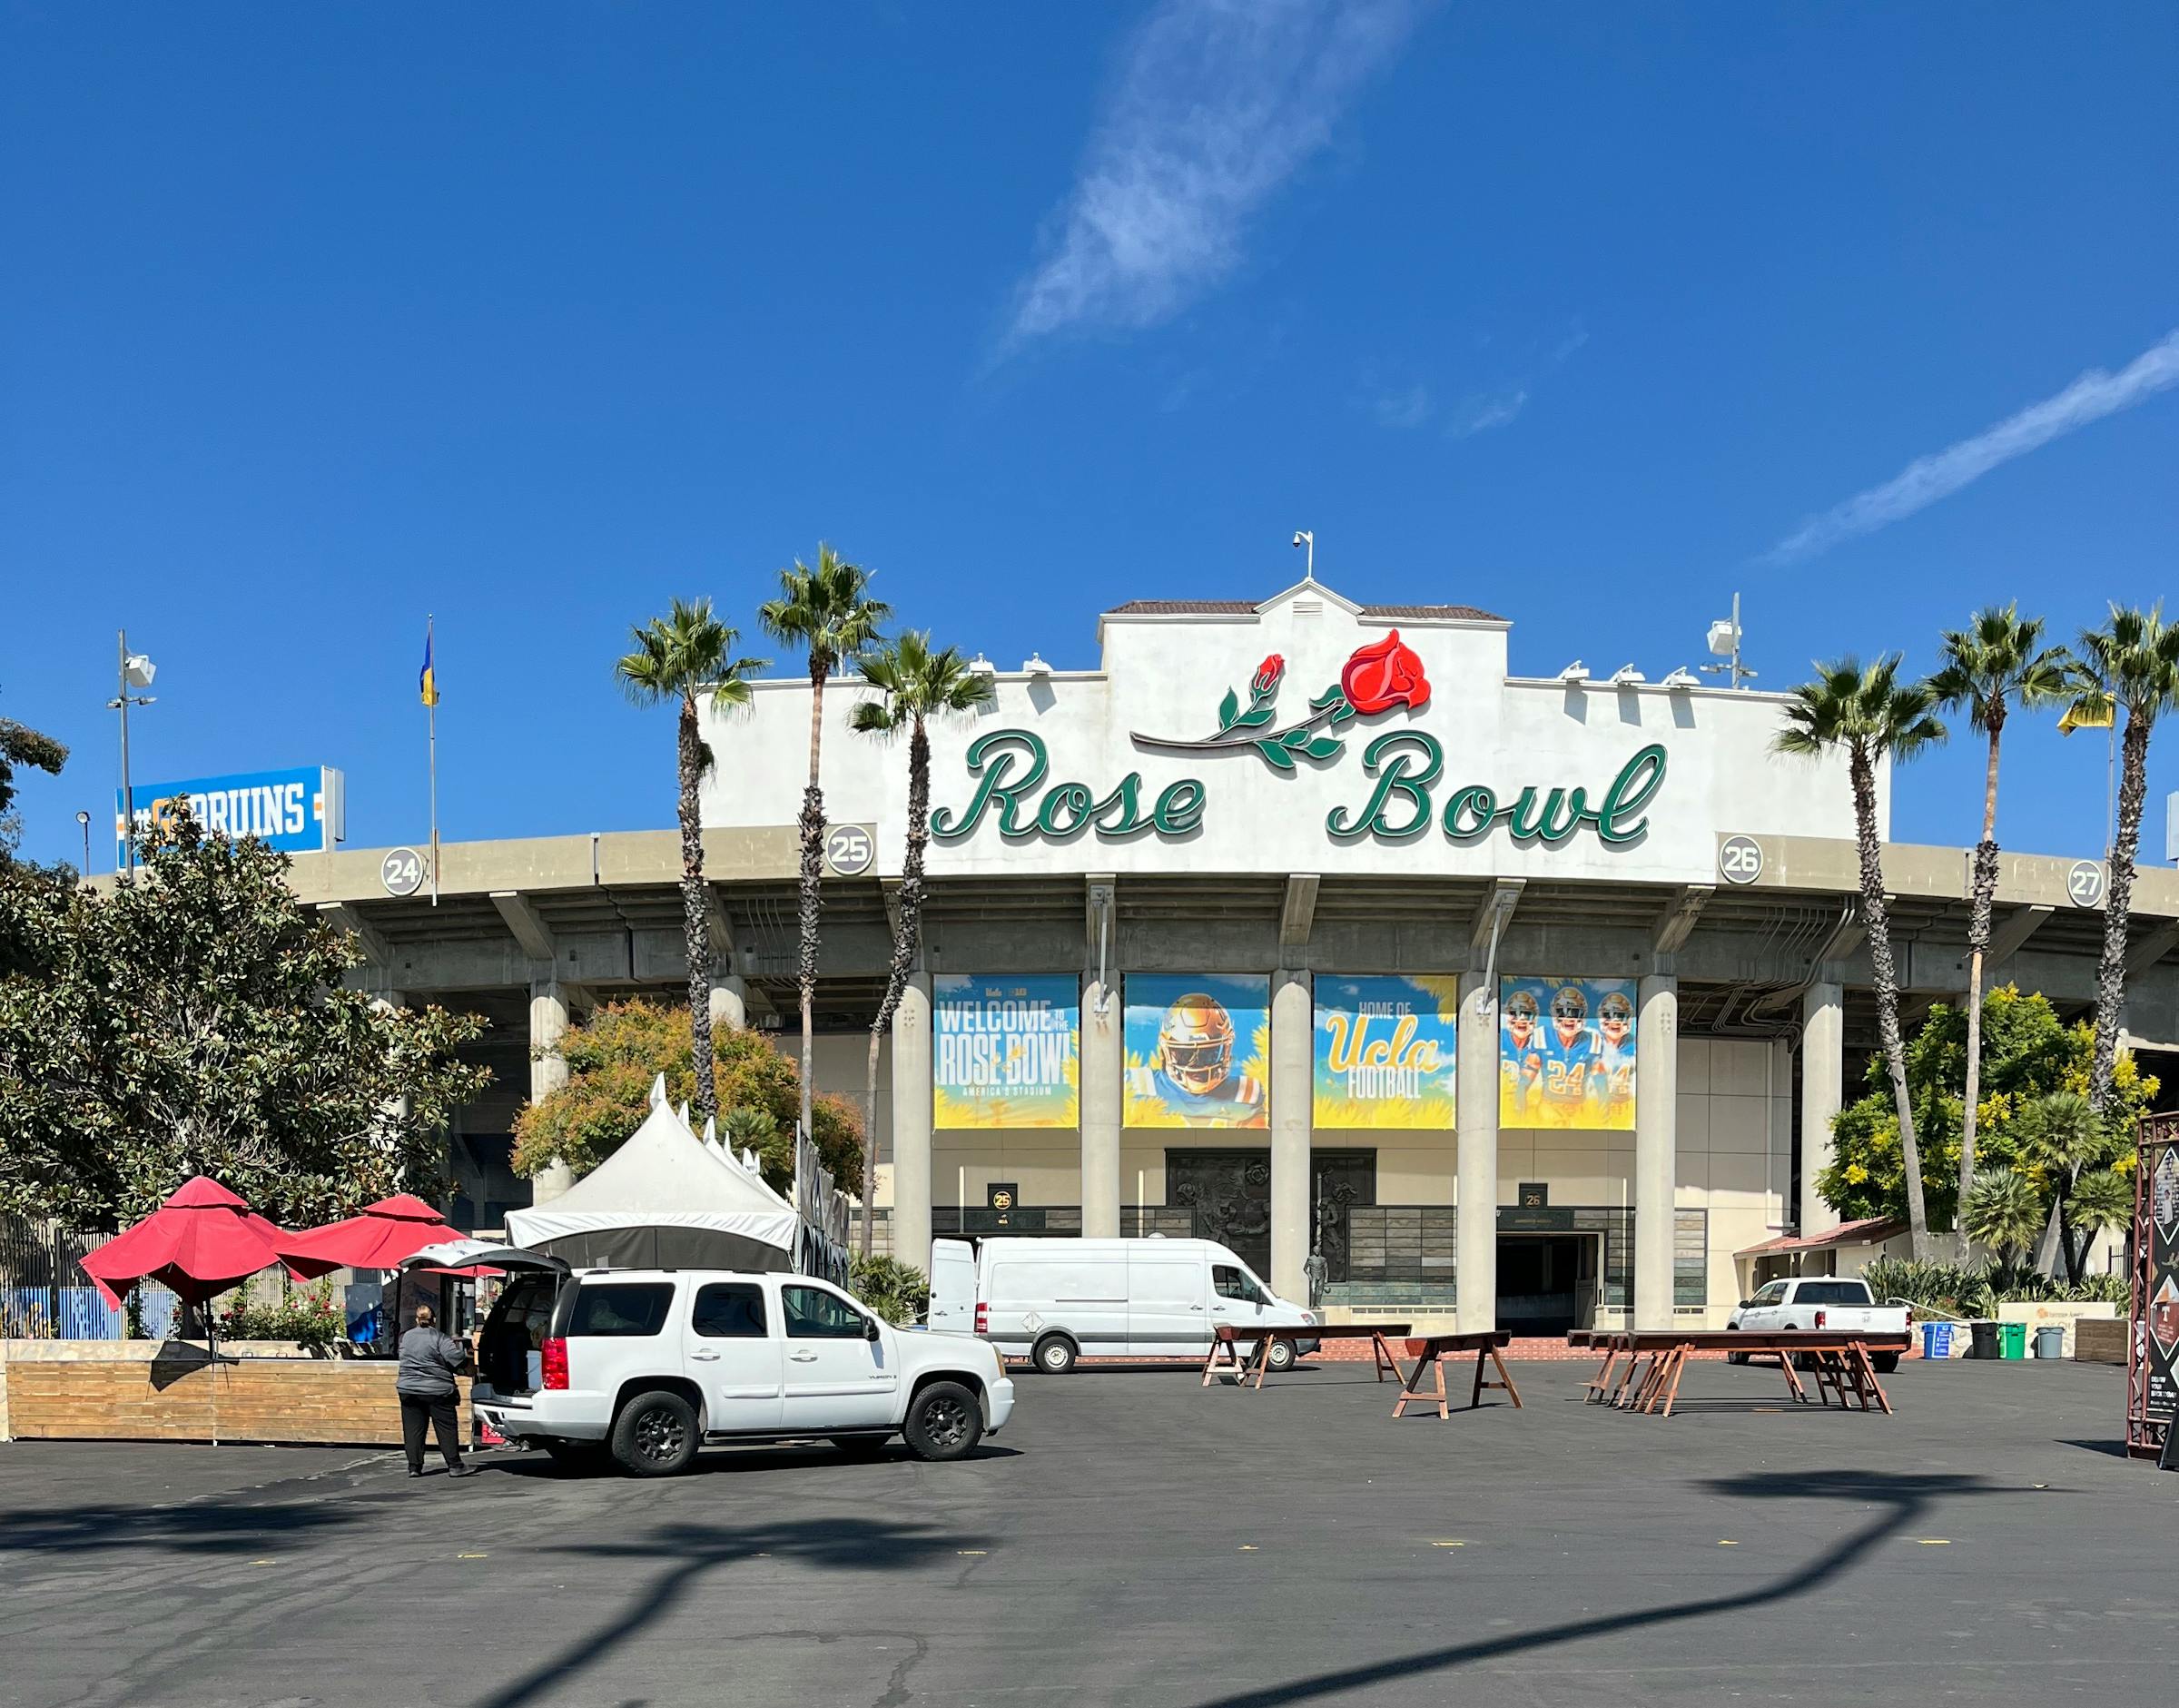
[(869, 1328), (1746, 1304)]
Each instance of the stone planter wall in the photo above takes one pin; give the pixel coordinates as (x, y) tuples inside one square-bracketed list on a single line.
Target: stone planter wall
[(142, 1390)]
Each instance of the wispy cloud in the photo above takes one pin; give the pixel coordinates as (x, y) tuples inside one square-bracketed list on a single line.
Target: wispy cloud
[(1925, 481), (1482, 410), (1406, 408), (1218, 104)]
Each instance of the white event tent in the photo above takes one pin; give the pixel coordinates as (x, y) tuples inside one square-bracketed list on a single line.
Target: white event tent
[(665, 1199)]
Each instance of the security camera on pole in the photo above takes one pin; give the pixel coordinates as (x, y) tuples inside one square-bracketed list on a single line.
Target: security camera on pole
[(1303, 539), (136, 672)]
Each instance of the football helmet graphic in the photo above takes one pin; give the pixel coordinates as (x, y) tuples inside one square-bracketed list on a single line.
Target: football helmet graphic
[(1568, 1004), (1195, 1043), (1520, 1013), (1615, 1015)]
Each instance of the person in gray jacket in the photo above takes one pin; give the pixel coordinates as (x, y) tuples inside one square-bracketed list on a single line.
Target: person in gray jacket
[(430, 1361)]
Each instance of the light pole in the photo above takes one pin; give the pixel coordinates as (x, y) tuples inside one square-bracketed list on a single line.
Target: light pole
[(1725, 643), (136, 672), (84, 821)]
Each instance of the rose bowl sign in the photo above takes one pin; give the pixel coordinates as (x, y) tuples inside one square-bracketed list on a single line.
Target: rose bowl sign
[(1012, 771)]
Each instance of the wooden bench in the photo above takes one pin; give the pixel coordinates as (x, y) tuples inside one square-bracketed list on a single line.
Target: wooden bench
[(1841, 1363), (1427, 1350), (1225, 1358)]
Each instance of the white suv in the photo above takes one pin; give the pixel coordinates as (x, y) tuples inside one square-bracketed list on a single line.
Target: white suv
[(650, 1364)]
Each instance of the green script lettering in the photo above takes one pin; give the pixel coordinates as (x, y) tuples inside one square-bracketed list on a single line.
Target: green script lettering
[(1011, 764), (997, 785), (1397, 778)]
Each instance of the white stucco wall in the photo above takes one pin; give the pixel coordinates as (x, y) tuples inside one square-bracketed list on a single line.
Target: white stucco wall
[(1166, 675)]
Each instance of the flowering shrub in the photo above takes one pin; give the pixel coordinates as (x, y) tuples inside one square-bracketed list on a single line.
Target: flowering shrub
[(309, 1318)]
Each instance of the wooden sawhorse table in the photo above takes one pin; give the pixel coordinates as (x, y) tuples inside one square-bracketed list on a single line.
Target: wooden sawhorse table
[(1427, 1350)]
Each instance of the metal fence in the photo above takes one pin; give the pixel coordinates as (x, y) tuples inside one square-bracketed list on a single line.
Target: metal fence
[(45, 1294)]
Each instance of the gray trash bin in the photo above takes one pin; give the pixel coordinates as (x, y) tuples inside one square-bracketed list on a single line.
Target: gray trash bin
[(2050, 1341)]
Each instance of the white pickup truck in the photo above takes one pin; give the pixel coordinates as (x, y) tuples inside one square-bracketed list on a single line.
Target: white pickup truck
[(1820, 1301), (648, 1365)]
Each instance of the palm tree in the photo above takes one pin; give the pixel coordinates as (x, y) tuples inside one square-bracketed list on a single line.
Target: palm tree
[(1997, 660), (2132, 663), (2003, 1210), (2062, 1134), (915, 684), (827, 612), (1870, 713), (677, 657)]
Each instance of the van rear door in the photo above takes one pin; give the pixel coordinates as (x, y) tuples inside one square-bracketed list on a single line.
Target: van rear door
[(952, 1287)]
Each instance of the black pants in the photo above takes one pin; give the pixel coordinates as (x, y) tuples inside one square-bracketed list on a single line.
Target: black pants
[(437, 1409)]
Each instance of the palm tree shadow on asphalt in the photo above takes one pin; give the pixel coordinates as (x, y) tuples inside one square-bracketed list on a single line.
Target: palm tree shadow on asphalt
[(695, 1549), (1903, 1499)]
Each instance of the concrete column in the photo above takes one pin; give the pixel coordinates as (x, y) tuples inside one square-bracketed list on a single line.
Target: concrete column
[(912, 1123), (1656, 1160), (1099, 1073), (1293, 1109), (547, 1072), (1476, 1154), (729, 1003), (1823, 1090)]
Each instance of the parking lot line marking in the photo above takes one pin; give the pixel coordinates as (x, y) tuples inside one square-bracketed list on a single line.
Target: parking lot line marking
[(1935, 1542), (1448, 1545), (260, 1561), (966, 1552), (1726, 1542), (472, 1556), (1246, 1547)]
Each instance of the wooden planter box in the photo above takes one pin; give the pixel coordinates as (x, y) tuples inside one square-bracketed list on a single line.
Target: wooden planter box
[(147, 1390)]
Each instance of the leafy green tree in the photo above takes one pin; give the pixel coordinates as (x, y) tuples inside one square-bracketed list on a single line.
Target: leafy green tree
[(897, 1291), (827, 612), (2004, 1211), (195, 1023), (2075, 1152), (2028, 1053), (678, 657), (2130, 664), (1868, 714), (1997, 661), (915, 684), (22, 746), (615, 1054)]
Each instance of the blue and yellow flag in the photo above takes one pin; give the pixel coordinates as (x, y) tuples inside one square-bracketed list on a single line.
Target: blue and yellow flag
[(426, 682)]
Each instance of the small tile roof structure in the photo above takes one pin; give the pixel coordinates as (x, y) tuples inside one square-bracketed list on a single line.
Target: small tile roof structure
[(1871, 1231), (1244, 608)]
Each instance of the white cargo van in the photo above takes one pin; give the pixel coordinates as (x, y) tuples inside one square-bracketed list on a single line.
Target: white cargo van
[(1055, 1300)]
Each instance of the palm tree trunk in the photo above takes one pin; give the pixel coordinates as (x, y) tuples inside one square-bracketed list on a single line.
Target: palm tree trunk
[(812, 827), (1878, 923), (696, 918), (2111, 970), (906, 939), (869, 1135), (1979, 944)]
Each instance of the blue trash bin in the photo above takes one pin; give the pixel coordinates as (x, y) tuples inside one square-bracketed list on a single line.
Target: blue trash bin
[(1937, 1340)]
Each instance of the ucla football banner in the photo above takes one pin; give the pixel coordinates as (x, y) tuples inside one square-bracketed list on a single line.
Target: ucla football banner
[(297, 811), (1198, 1051), (1566, 1053), (1386, 1051), (1006, 1053)]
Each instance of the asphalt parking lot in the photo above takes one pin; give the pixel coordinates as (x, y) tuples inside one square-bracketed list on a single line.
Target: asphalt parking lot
[(1131, 1538)]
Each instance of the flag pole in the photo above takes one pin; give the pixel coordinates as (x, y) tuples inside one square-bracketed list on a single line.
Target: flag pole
[(431, 710)]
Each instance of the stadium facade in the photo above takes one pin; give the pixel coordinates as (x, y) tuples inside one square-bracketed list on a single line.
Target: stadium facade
[(1307, 926)]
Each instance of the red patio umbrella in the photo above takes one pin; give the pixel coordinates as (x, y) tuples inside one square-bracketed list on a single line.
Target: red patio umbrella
[(378, 1238), (201, 1241)]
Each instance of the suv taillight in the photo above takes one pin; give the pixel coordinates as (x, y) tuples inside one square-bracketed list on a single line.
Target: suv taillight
[(1819, 1319), (984, 1318), (554, 1360)]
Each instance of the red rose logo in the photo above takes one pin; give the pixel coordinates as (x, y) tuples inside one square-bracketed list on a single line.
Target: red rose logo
[(1267, 674), (1384, 675)]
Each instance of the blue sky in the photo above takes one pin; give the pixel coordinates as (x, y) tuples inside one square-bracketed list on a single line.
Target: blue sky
[(318, 318)]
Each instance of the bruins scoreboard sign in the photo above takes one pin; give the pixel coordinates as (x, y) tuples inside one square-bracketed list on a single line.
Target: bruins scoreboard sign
[(297, 812)]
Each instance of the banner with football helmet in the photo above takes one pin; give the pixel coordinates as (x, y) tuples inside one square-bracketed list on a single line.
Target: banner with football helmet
[(1006, 1052), (1387, 1049), (1566, 1053), (1198, 1047)]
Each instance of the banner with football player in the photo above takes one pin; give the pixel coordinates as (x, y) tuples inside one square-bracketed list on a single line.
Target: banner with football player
[(1386, 1051), (1566, 1053), (1005, 1053), (1198, 1049)]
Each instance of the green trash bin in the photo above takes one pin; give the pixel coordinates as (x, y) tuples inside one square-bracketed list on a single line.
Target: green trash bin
[(2014, 1335)]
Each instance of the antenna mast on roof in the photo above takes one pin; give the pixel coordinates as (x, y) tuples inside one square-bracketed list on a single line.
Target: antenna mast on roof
[(1304, 537)]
